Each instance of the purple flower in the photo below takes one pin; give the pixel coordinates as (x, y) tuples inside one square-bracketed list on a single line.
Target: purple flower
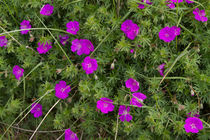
[(82, 46), (124, 112), (200, 15), (141, 6), (47, 10), (170, 4), (37, 110), (189, 1), (132, 84), (25, 24), (69, 135), (64, 39), (89, 65), (72, 27), (3, 41), (62, 90), (137, 99), (193, 124), (132, 50), (18, 72), (175, 1), (130, 29), (105, 105), (161, 69), (193, 114), (176, 30), (167, 34), (44, 47)]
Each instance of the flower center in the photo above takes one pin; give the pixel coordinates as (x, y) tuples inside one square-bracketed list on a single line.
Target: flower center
[(72, 136), (62, 89), (19, 72), (134, 83), (193, 126), (38, 109), (167, 35), (125, 112), (89, 65), (105, 104)]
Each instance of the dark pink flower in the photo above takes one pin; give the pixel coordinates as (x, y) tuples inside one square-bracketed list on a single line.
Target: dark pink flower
[(82, 46), (193, 125), (132, 50), (18, 72), (44, 47), (132, 84), (175, 1), (124, 113), (200, 15), (130, 29), (141, 6), (25, 24), (70, 135), (161, 69), (62, 90), (189, 1), (37, 110), (3, 41), (64, 39), (167, 34), (47, 10), (137, 99), (105, 105), (89, 65), (72, 27)]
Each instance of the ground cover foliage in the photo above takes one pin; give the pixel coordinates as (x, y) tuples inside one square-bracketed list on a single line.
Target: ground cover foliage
[(169, 98)]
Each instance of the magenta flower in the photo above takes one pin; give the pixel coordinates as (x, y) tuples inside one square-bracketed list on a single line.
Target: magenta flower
[(44, 47), (189, 1), (3, 41), (18, 72), (105, 105), (161, 69), (137, 99), (62, 90), (82, 46), (64, 39), (167, 34), (124, 112), (176, 30), (170, 4), (47, 10), (25, 24), (193, 114), (175, 1), (130, 29), (89, 65), (72, 27), (141, 6), (132, 84), (200, 15), (37, 110), (70, 135), (193, 124), (132, 50)]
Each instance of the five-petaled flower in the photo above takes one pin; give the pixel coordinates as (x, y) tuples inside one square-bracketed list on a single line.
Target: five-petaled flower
[(89, 65), (82, 46), (3, 41), (200, 15), (124, 113), (36, 110), (72, 27), (132, 84), (64, 39), (193, 125), (18, 72), (62, 90), (161, 69), (70, 135), (105, 105), (25, 24), (44, 47), (167, 34), (137, 99), (47, 10), (130, 29)]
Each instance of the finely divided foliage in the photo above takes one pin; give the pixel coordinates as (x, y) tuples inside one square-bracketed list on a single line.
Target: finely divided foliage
[(124, 69)]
